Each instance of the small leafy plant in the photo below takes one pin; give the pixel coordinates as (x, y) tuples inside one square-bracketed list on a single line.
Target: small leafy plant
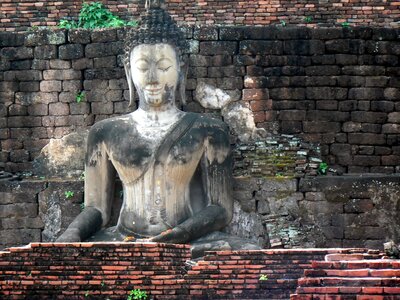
[(137, 294), (95, 15), (69, 194), (322, 168), (345, 24), (283, 23), (80, 97), (308, 19), (263, 277)]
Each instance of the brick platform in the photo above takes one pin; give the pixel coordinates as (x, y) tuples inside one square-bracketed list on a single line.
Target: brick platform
[(111, 270), (350, 278)]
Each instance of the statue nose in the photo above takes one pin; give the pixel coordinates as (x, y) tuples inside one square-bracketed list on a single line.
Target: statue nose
[(152, 76)]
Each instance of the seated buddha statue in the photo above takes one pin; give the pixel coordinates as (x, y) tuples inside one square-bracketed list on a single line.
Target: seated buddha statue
[(175, 166)]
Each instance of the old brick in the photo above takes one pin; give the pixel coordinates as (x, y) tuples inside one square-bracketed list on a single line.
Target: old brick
[(114, 95), (391, 160), (38, 133), (291, 127), (376, 81), (67, 97), (321, 126), (327, 104), (50, 86), (230, 71), (335, 116), (8, 86), (82, 63), (103, 49), (337, 46), (24, 121), (326, 93), (91, 74), (364, 105), (105, 108), (19, 156), (358, 206), (38, 110), (21, 65), (296, 47), (255, 94), (30, 98), (103, 36), (73, 86), (12, 144), (260, 47), (105, 62), (366, 93), (58, 109), (19, 210), (368, 117), (40, 64), (287, 93), (260, 33), (231, 34), (122, 107), (61, 74), (60, 64), (394, 117), (392, 94), (322, 70), (346, 59), (79, 36), (70, 51), (17, 110), (391, 128), (373, 128), (366, 138), (292, 115), (29, 86), (205, 33), (364, 70), (15, 53), (45, 52), (382, 106), (23, 75), (351, 81)]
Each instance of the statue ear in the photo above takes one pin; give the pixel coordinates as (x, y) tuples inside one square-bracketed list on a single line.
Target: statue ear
[(182, 82), (130, 85)]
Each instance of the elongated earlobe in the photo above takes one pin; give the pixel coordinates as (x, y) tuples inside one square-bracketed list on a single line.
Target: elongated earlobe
[(182, 83), (130, 85)]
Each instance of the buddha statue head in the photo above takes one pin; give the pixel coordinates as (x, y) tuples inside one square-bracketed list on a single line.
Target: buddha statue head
[(153, 59)]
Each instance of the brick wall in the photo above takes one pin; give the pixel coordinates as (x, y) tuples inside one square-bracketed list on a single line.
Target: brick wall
[(24, 14), (332, 211), (338, 87), (112, 270)]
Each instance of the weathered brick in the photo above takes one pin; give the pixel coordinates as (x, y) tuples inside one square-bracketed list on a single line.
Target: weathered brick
[(368, 117), (205, 33), (292, 115), (82, 63), (50, 86), (15, 53), (45, 52), (105, 74), (38, 110), (337, 46), (58, 109), (105, 62), (21, 65), (392, 94), (61, 74), (287, 93), (40, 64), (103, 36), (24, 121), (321, 126), (322, 70), (46, 37), (17, 110), (19, 156), (391, 160), (80, 108), (382, 106), (364, 70), (296, 47), (366, 138), (326, 93), (23, 75), (394, 117), (366, 93), (30, 98), (376, 81), (79, 36), (60, 64), (391, 128), (105, 108), (103, 49), (73, 86), (29, 86), (218, 48), (335, 116)]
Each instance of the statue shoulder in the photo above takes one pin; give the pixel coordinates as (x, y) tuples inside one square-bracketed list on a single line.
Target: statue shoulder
[(111, 128), (217, 130)]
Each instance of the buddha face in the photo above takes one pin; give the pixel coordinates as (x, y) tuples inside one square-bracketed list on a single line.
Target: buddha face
[(155, 73)]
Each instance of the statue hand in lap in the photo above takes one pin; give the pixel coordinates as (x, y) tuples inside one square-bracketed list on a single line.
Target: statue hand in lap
[(175, 167)]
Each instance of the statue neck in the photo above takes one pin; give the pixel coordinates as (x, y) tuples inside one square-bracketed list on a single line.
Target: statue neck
[(157, 117)]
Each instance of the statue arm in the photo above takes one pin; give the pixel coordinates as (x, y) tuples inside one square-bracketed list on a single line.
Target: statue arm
[(217, 180), (99, 191)]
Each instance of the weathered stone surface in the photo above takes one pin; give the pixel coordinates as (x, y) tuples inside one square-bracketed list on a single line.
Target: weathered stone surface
[(56, 210), (211, 97), (62, 157)]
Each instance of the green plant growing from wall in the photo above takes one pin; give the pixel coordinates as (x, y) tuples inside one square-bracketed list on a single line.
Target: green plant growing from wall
[(69, 194), (263, 277), (308, 19), (80, 97), (137, 294), (283, 23), (95, 15), (322, 168), (345, 24)]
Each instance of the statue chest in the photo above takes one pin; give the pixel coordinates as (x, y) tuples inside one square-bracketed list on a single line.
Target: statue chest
[(132, 157)]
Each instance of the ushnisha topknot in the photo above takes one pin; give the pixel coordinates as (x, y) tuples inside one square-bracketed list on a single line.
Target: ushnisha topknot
[(156, 26)]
